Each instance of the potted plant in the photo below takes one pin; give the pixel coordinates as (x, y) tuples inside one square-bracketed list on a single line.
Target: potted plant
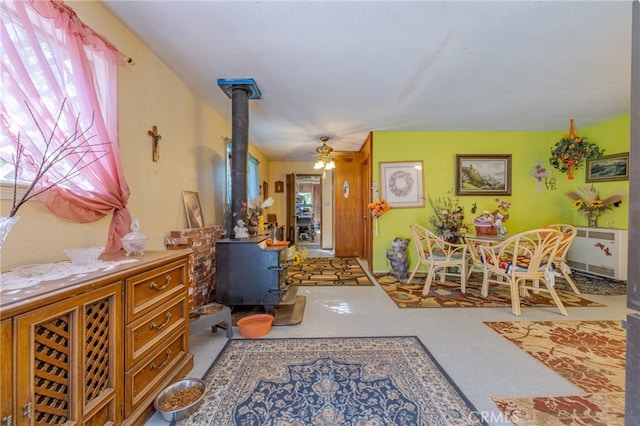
[(448, 218), (570, 152)]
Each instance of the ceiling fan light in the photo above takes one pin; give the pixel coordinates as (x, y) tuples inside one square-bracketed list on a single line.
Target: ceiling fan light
[(325, 161), (330, 165)]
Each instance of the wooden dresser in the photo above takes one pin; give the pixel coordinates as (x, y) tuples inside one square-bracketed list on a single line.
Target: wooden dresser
[(95, 349)]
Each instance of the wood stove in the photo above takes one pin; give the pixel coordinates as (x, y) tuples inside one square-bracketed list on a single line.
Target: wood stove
[(249, 272)]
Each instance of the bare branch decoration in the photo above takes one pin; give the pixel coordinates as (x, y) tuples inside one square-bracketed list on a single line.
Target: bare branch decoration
[(76, 144)]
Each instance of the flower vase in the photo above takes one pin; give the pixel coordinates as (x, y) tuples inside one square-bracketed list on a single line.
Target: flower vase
[(377, 228), (261, 225), (593, 220), (6, 223)]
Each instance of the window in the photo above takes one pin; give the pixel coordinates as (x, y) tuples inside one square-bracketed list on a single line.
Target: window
[(50, 68), (59, 78), (253, 185)]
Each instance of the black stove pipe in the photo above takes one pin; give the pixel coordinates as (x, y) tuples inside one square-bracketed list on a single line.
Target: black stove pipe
[(239, 153), (240, 91)]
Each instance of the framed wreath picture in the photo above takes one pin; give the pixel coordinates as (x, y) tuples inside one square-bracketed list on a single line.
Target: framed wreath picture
[(483, 174), (402, 184)]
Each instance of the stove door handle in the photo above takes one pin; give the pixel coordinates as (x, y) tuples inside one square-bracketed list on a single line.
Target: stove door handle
[(277, 268)]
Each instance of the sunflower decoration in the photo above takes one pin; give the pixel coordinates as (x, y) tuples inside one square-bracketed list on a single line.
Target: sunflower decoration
[(296, 255), (570, 152), (588, 203)]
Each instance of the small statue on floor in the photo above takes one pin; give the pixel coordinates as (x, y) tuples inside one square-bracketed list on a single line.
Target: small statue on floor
[(398, 258)]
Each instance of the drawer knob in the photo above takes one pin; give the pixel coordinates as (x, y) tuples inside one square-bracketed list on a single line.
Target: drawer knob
[(154, 326), (167, 281), (7, 421), (155, 366)]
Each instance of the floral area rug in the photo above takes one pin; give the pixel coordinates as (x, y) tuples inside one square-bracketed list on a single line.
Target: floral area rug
[(448, 295), (589, 354), (320, 271), (330, 381), (592, 284)]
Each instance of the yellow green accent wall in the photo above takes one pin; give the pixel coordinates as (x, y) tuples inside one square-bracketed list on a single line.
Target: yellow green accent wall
[(530, 209)]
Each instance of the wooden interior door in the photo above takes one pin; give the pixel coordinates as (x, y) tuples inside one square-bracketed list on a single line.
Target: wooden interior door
[(348, 187), (366, 176), (291, 234)]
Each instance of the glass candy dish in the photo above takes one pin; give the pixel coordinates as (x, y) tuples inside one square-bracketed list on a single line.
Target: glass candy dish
[(134, 242), (83, 256)]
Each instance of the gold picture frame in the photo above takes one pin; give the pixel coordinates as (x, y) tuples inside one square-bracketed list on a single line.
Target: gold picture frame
[(608, 168), (483, 174)]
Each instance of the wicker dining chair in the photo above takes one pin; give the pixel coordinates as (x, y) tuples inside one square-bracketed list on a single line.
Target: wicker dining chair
[(439, 256), (568, 235), (527, 256)]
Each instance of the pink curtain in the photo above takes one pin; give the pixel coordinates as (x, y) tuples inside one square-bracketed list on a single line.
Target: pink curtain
[(55, 59)]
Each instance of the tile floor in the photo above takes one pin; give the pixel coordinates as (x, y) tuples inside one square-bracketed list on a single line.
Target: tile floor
[(480, 362)]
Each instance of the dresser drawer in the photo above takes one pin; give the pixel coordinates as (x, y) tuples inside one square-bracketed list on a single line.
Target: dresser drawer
[(151, 288), (145, 380), (151, 330)]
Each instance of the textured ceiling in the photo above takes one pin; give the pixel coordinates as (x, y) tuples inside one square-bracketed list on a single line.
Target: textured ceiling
[(345, 68)]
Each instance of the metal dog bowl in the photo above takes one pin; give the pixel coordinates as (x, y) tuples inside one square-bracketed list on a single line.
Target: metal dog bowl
[(170, 391)]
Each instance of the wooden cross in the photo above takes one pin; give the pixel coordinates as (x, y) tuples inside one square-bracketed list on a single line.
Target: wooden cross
[(155, 144)]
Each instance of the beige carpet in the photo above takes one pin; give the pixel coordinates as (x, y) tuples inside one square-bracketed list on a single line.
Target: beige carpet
[(589, 354), (328, 271)]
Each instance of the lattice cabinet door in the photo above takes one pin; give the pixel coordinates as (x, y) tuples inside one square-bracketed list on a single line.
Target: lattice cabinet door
[(69, 354)]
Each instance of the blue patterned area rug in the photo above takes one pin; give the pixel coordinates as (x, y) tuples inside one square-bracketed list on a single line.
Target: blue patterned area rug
[(330, 381)]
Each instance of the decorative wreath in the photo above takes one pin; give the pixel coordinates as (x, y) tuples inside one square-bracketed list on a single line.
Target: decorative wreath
[(397, 177)]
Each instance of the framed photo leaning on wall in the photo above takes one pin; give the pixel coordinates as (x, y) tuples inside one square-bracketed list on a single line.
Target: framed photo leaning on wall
[(192, 209), (402, 184), (483, 174)]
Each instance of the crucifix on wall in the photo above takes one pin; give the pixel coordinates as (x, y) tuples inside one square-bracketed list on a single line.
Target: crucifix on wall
[(155, 143)]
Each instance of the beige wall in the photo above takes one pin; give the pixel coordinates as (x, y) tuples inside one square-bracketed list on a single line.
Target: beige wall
[(192, 156)]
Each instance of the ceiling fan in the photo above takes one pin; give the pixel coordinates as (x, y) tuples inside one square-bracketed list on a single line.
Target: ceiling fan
[(324, 152)]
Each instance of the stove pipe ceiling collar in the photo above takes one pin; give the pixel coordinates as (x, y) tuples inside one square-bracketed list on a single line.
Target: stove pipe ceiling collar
[(248, 84)]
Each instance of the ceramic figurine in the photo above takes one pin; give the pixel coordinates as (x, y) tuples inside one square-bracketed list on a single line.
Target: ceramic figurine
[(240, 231)]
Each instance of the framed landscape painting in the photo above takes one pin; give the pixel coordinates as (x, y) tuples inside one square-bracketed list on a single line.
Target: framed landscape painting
[(608, 168), (483, 174), (402, 184)]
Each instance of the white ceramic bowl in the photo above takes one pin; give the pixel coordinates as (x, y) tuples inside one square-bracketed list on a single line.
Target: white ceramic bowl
[(84, 256), (182, 412)]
